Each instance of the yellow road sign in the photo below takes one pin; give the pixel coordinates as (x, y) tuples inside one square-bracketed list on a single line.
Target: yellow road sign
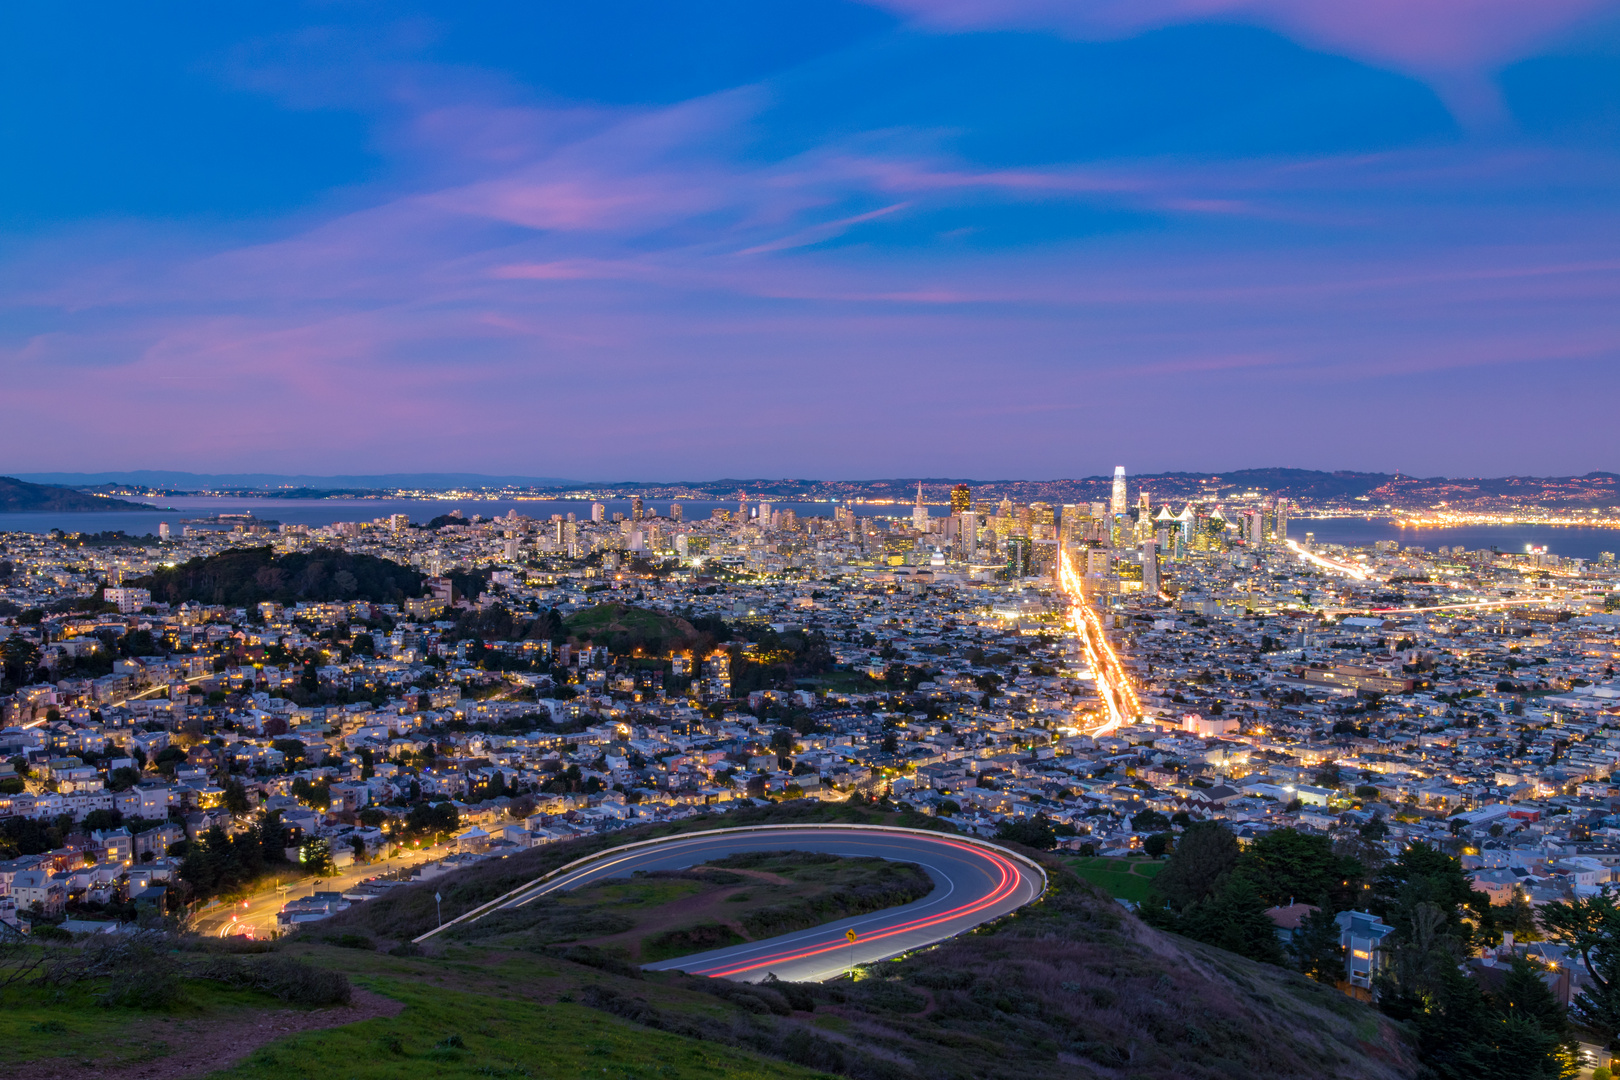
[(852, 935)]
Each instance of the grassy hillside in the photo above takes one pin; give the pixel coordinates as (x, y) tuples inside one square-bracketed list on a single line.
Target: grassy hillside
[(1128, 879), (409, 912), (1072, 986), (657, 916)]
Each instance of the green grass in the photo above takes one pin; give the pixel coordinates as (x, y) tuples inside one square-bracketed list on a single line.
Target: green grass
[(1115, 875), (448, 1034), (39, 1022), (636, 893)]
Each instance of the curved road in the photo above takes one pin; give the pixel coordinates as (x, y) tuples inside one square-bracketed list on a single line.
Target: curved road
[(974, 882)]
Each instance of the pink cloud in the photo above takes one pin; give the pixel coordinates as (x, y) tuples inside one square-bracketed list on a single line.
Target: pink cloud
[(1454, 44)]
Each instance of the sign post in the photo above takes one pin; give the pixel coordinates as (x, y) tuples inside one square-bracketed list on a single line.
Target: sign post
[(853, 937), (438, 904)]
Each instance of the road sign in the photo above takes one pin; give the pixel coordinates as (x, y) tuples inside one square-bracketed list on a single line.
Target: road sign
[(852, 936)]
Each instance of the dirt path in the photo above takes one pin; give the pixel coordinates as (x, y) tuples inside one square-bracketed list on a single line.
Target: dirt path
[(199, 1047)]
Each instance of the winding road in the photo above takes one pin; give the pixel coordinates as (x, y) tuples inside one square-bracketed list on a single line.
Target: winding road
[(974, 882)]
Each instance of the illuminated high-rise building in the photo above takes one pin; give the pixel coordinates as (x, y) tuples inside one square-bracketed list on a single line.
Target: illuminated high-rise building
[(1150, 567), (1018, 557), (1119, 505), (598, 511), (676, 513), (961, 499), (967, 533), (1042, 523), (1071, 524), (638, 509), (1281, 529), (919, 512)]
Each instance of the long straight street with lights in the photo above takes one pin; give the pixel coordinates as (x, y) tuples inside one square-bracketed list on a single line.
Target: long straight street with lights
[(1118, 695)]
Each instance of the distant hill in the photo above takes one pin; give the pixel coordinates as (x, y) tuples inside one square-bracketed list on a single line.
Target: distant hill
[(21, 497), (188, 481), (250, 576)]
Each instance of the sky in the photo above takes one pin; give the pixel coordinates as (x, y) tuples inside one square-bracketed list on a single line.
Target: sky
[(805, 238)]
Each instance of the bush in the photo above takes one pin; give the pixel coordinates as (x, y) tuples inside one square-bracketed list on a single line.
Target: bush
[(293, 981), (351, 941)]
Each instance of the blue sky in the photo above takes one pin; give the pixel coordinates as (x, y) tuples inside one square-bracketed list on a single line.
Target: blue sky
[(943, 237)]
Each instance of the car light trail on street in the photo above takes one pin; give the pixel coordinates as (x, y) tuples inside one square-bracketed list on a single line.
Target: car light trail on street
[(1117, 693)]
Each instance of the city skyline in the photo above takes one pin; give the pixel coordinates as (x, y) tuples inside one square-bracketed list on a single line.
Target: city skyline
[(963, 239)]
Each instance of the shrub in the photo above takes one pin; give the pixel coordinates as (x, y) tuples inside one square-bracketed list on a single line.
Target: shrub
[(293, 981)]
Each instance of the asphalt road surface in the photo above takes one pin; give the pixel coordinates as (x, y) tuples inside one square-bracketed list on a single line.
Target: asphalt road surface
[(255, 916), (973, 884)]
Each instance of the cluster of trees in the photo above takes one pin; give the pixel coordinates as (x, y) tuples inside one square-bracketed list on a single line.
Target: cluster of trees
[(248, 576), (1038, 832), (1216, 892), (778, 660), (1212, 890), (218, 862)]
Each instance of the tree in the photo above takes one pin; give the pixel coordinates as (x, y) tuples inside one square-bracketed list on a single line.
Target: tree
[(1315, 947), (1234, 919), (1035, 832), (1148, 821), (236, 798), (1288, 865), (102, 820), (1376, 829), (1590, 927), (1524, 994), (1158, 844), (20, 657), (123, 779), (316, 855), (1424, 875), (1206, 852)]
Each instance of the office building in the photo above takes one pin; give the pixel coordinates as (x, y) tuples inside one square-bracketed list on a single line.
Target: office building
[(1118, 504), (1018, 557), (1150, 567), (961, 499)]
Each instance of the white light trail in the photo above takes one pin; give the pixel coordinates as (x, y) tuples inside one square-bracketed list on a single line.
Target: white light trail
[(1117, 692), (1357, 572)]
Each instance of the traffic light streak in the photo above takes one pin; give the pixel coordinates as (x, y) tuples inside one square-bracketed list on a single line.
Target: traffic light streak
[(1006, 883), (1117, 693)]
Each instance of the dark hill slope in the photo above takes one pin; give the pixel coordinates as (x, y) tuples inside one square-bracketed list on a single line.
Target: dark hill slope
[(21, 497), (1072, 986)]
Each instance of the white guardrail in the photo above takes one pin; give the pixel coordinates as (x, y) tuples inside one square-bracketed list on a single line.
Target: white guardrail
[(613, 852)]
